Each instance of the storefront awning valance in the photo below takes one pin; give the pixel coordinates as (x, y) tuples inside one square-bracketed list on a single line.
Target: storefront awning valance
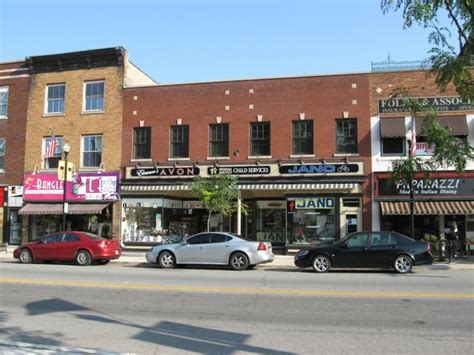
[(263, 186), (428, 207), (457, 124), (393, 127), (57, 208)]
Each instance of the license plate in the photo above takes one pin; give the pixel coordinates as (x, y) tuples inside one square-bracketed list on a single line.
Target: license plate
[(116, 252)]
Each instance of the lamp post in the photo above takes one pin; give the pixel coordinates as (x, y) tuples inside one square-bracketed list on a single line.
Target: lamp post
[(66, 150)]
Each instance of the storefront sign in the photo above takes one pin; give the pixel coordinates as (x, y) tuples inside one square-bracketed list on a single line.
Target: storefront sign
[(164, 172), (310, 203), (319, 169), (439, 103), (437, 186), (239, 170), (84, 187)]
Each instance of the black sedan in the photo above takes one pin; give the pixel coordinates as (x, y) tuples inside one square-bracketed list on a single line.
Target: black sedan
[(367, 250)]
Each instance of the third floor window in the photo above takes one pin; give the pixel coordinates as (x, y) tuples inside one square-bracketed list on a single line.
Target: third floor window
[(303, 137), (219, 140), (2, 153), (4, 102), (55, 95), (94, 96), (142, 143), (180, 141), (260, 138)]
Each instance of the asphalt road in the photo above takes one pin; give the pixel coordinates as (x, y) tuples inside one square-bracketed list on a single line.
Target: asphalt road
[(142, 309)]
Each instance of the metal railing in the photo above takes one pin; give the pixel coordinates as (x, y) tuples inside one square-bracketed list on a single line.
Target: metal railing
[(392, 65)]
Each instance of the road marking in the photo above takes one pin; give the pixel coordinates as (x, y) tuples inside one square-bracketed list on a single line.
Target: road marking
[(234, 289)]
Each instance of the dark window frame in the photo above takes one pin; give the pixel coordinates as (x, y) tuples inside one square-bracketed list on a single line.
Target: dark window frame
[(260, 139), (142, 143), (179, 141), (385, 145), (219, 140), (344, 136), (302, 143)]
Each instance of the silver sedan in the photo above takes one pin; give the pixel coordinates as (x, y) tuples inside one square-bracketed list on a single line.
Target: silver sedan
[(212, 248)]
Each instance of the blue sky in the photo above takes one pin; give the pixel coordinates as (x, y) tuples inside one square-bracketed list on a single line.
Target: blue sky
[(196, 40)]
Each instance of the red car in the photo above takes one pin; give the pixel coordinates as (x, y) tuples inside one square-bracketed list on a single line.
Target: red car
[(81, 247)]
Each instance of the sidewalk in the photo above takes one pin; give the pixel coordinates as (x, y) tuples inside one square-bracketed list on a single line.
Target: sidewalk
[(134, 256)]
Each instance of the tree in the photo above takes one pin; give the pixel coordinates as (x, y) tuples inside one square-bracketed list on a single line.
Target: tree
[(218, 193), (451, 63)]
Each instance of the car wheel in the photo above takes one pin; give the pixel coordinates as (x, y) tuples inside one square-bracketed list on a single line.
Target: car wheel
[(166, 260), (239, 261), (25, 256), (102, 262), (403, 264), (83, 258), (321, 263)]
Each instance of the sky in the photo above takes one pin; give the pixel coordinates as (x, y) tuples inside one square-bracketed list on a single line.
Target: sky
[(184, 41)]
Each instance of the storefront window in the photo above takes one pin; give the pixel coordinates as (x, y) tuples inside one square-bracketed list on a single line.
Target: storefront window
[(311, 220), (270, 222)]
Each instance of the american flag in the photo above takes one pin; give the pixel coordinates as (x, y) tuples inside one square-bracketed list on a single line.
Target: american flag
[(413, 137), (51, 148)]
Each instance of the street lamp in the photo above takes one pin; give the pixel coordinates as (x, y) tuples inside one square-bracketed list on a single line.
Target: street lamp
[(66, 150)]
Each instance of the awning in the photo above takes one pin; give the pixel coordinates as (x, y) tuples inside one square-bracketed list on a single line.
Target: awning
[(262, 186), (428, 207), (393, 127), (457, 124), (57, 208)]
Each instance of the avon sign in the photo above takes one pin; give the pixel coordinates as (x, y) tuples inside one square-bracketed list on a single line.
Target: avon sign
[(84, 187)]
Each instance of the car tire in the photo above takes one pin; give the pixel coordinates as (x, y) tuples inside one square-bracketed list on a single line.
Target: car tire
[(83, 258), (26, 257), (403, 264), (102, 262), (239, 261), (321, 263), (166, 260)]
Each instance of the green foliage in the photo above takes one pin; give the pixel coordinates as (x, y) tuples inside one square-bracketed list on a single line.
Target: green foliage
[(450, 64), (218, 193)]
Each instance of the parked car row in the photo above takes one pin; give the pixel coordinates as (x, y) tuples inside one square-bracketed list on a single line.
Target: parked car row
[(388, 250)]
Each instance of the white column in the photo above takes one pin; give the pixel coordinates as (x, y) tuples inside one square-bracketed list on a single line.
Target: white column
[(239, 216)]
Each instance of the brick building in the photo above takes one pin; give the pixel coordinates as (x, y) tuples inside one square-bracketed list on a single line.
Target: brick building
[(299, 146), (446, 198), (14, 84)]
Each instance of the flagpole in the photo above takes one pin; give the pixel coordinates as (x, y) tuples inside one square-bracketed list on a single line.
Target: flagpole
[(412, 177), (66, 149)]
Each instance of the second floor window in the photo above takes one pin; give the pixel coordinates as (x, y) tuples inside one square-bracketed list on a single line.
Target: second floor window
[(346, 136), (142, 143), (52, 148), (91, 151), (393, 145), (260, 138), (219, 140), (4, 102), (55, 98), (94, 96), (303, 137), (3, 144), (180, 141)]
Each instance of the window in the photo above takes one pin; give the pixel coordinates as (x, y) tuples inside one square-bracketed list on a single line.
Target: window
[(382, 239), (219, 238), (55, 98), (2, 153), (358, 241), (346, 136), (219, 140), (142, 143), (303, 137), (4, 102), (94, 96), (180, 141), (52, 149), (91, 151), (393, 146), (71, 238), (199, 239), (260, 138)]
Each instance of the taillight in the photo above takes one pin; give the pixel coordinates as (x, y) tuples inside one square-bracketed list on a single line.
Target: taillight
[(261, 247), (429, 247)]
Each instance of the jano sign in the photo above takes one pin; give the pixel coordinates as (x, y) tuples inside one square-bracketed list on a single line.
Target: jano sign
[(439, 103), (314, 203)]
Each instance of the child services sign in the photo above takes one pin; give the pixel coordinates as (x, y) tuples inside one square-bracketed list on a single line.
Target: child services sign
[(84, 187)]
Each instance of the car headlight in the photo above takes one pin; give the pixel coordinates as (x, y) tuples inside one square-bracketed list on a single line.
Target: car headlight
[(302, 253)]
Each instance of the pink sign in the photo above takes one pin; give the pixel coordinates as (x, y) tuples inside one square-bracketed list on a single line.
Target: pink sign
[(84, 187)]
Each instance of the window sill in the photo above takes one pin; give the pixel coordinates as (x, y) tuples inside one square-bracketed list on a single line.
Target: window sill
[(259, 157), (3, 117), (346, 155), (217, 158), (302, 156), (179, 159), (2, 171), (54, 114), (141, 160), (86, 113)]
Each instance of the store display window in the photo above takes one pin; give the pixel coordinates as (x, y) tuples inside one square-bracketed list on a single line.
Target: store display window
[(270, 221)]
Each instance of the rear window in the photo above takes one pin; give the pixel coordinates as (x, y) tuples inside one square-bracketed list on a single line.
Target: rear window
[(401, 239), (93, 236)]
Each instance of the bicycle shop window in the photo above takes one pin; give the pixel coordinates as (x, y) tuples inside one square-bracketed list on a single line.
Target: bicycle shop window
[(346, 136), (303, 137), (142, 143), (260, 138), (180, 141)]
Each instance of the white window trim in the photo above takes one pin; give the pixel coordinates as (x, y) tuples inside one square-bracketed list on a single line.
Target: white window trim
[(2, 169), (84, 111), (82, 150), (7, 90), (43, 148), (45, 112)]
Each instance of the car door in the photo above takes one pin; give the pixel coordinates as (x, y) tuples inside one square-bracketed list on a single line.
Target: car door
[(219, 249), (68, 246), (47, 249), (353, 252), (382, 249), (193, 251)]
